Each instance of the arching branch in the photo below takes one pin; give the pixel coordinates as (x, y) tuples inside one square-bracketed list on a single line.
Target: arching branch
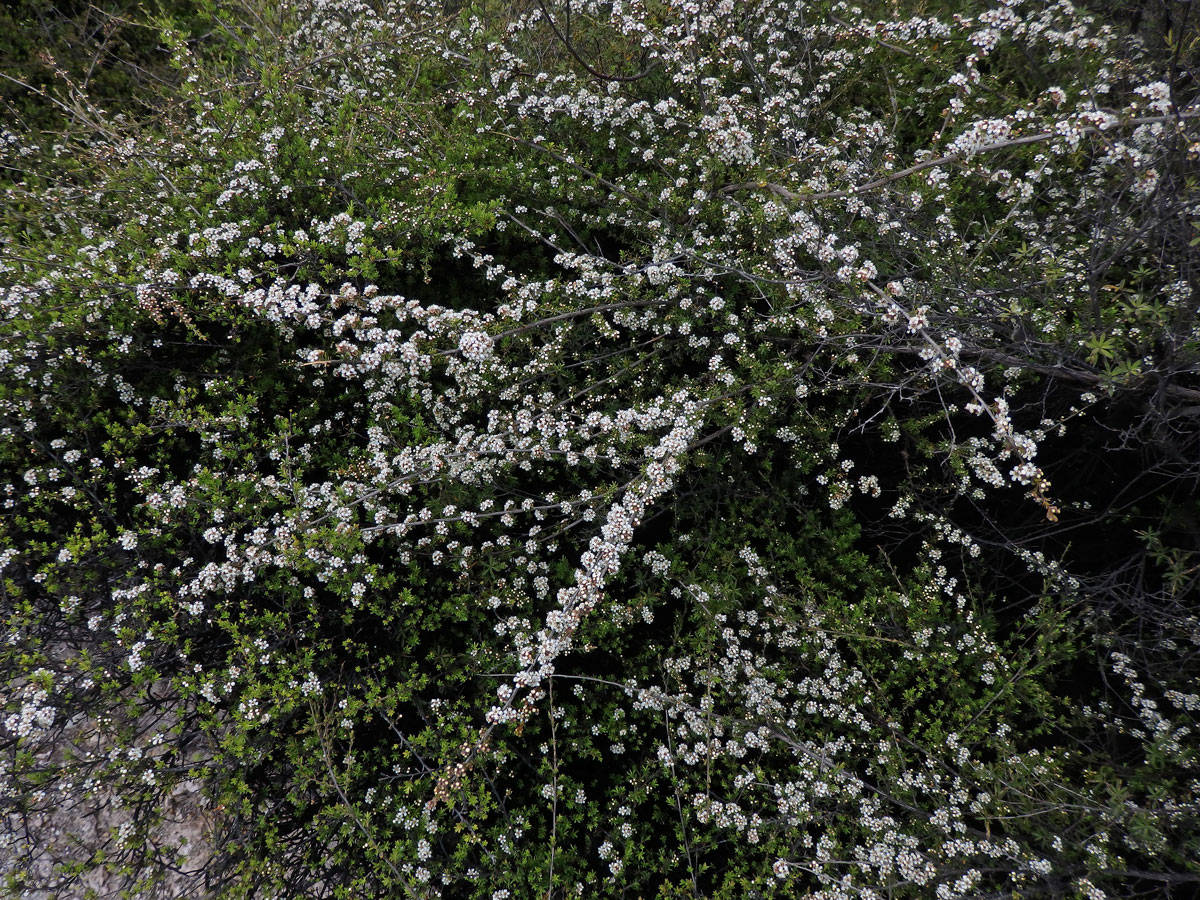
[(564, 35)]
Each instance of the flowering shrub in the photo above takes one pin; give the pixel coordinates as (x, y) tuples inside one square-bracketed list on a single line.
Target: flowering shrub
[(585, 449)]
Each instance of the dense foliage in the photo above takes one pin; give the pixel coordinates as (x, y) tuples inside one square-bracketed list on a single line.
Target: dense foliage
[(563, 448)]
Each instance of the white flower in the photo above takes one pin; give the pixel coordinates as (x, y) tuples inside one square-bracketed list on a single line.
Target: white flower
[(475, 346), (1158, 95)]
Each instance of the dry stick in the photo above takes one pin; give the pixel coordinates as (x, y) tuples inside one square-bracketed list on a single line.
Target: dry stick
[(73, 111), (780, 191)]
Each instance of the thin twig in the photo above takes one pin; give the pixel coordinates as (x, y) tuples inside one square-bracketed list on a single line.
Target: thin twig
[(565, 39)]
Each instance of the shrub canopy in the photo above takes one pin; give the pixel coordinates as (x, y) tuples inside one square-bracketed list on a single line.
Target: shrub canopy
[(586, 449)]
